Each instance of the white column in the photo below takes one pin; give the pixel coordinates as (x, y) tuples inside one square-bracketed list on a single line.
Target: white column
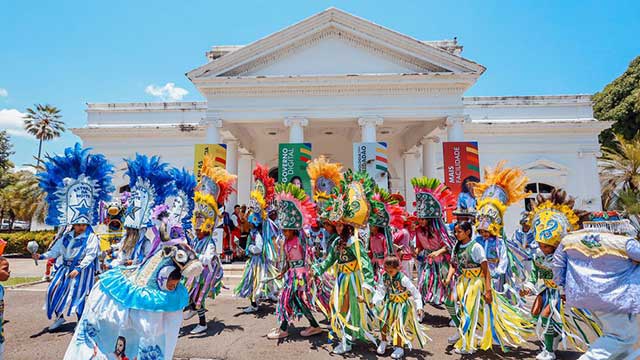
[(244, 178), (590, 180), (232, 168), (368, 126), (296, 128), (410, 164), (455, 128), (213, 125), (429, 150)]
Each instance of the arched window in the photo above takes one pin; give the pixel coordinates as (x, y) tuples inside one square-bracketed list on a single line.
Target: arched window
[(535, 189)]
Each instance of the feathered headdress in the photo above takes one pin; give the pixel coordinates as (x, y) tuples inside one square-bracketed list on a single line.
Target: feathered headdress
[(553, 217), (215, 186), (501, 188), (261, 195), (349, 202), (386, 212), (75, 183), (181, 205), (324, 177), (295, 211), (150, 183), (433, 198)]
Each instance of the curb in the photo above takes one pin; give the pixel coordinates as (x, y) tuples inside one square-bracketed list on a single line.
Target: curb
[(26, 284)]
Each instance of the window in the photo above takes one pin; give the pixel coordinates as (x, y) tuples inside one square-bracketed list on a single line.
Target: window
[(535, 189)]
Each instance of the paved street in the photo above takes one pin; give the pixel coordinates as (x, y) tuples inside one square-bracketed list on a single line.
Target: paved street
[(231, 335)]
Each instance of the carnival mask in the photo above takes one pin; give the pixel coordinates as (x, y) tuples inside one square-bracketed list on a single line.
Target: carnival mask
[(76, 203), (141, 205), (550, 226)]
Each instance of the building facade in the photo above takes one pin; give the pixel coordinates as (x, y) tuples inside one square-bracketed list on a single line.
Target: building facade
[(334, 79)]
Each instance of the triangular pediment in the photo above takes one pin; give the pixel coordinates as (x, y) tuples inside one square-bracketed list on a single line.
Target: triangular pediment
[(335, 43), (544, 165)]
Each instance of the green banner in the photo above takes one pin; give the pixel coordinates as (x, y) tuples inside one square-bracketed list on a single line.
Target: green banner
[(292, 164)]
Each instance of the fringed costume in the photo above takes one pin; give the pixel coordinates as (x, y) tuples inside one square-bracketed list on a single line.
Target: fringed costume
[(399, 320), (552, 219), (350, 318), (433, 243), (215, 186), (295, 211), (74, 183), (482, 325), (259, 279), (501, 188), (386, 213)]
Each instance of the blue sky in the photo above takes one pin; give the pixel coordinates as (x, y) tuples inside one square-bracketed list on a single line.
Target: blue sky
[(68, 53)]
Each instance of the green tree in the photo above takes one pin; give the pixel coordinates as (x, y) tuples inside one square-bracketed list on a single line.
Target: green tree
[(619, 102), (620, 169), (5, 164), (44, 123)]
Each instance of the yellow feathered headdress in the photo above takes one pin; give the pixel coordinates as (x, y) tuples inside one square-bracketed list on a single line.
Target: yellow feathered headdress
[(324, 177), (501, 188), (213, 189)]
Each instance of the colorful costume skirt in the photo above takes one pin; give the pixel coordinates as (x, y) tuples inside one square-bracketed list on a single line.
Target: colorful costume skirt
[(208, 283), (146, 320), (70, 294), (400, 323), (431, 280), (296, 298), (500, 323), (255, 279), (572, 325), (350, 319)]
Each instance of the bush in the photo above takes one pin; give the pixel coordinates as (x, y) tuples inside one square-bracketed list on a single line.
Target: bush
[(17, 241)]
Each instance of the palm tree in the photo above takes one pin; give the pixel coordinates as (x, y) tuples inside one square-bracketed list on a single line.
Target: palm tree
[(620, 170), (44, 123), (29, 201)]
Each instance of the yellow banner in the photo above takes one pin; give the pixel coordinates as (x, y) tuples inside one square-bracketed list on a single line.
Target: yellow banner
[(219, 151)]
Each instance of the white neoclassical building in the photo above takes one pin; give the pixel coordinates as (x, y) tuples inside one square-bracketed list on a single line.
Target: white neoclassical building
[(334, 79)]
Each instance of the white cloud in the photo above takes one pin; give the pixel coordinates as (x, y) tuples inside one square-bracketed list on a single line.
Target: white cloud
[(12, 120), (169, 92), (3, 92)]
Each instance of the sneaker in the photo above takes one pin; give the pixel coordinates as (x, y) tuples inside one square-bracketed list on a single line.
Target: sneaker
[(463, 352), (277, 334), (189, 314), (546, 355), (46, 278), (382, 348), (198, 329), (310, 331), (250, 309), (454, 338), (398, 353), (57, 323), (342, 349)]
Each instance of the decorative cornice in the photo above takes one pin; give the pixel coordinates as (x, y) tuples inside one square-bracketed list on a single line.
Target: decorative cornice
[(147, 106), (520, 101), (332, 17)]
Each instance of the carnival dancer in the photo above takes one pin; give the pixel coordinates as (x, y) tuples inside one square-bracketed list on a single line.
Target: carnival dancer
[(259, 279), (501, 188), (350, 313), (478, 306), (75, 183), (402, 242), (433, 243), (150, 183), (181, 204), (141, 304), (386, 214), (295, 211), (598, 267), (212, 191), (522, 243), (554, 218), (401, 312)]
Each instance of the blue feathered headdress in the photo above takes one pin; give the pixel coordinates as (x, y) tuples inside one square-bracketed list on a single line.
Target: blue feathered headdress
[(75, 183), (150, 183), (185, 184)]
